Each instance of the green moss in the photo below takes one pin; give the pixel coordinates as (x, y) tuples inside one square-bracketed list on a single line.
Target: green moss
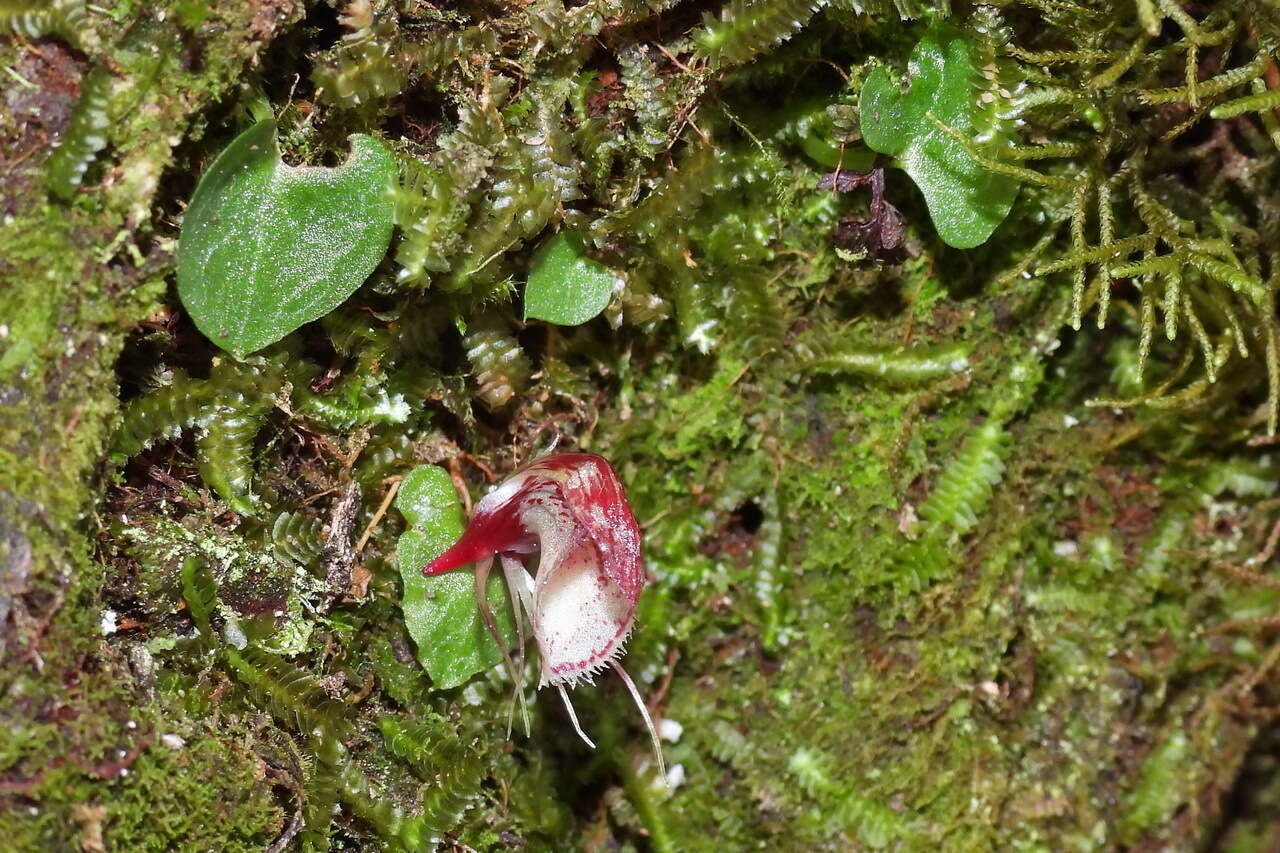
[(910, 589), (150, 806)]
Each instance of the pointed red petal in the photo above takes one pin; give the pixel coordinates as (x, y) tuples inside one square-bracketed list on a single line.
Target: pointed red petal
[(495, 527)]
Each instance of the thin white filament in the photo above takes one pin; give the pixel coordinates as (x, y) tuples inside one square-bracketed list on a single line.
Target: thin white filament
[(482, 601), (521, 602), (564, 694), (648, 721), (519, 580)]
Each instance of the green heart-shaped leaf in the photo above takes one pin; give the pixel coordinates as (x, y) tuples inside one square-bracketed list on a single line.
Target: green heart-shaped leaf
[(440, 611), (565, 286), (966, 201), (266, 247)]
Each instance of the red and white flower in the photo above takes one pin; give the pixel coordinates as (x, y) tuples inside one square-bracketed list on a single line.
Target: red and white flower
[(571, 510)]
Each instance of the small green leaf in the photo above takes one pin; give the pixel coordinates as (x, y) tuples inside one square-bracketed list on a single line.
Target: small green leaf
[(565, 286), (440, 611), (266, 247), (966, 200)]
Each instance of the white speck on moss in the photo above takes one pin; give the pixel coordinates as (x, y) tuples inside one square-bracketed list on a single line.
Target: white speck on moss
[(471, 695), (234, 636), (109, 624), (670, 731), (394, 409), (675, 776), (700, 338)]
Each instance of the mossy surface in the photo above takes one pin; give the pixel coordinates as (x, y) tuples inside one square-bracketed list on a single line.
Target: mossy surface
[(936, 564)]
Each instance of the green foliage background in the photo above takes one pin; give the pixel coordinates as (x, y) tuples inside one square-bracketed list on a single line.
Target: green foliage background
[(964, 550)]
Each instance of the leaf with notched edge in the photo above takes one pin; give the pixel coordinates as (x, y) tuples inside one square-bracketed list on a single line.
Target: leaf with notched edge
[(266, 247), (966, 201)]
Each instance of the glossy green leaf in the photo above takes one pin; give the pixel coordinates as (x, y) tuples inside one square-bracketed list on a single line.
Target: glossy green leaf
[(440, 612), (966, 201), (266, 247), (565, 286)]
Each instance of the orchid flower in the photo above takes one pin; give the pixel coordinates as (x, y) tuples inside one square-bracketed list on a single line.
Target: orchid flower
[(571, 510)]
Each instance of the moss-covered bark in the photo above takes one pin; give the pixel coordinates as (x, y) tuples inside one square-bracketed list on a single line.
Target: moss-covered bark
[(912, 590), (85, 743)]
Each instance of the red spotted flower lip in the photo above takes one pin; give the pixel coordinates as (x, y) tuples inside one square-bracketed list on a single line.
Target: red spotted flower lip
[(571, 510)]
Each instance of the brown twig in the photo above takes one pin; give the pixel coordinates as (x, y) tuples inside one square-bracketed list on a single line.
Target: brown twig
[(309, 498), (1238, 624), (474, 460), (1268, 550), (460, 485), (382, 510), (660, 695), (1247, 575), (676, 62), (290, 831), (1254, 678)]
